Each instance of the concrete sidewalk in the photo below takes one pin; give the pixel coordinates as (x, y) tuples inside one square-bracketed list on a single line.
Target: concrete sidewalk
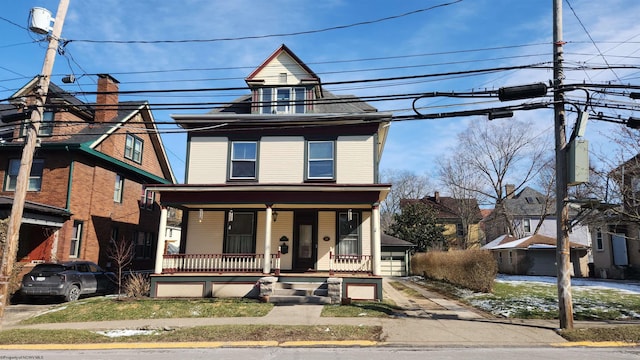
[(432, 321)]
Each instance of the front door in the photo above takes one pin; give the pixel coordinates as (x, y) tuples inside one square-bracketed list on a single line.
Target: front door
[(305, 242)]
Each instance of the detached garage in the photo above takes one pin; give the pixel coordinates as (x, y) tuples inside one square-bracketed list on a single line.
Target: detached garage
[(394, 256)]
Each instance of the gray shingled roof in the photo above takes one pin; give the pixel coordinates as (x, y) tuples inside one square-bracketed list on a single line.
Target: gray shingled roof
[(528, 202), (328, 104)]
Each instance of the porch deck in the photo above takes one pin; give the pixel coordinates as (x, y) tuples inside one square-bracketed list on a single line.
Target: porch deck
[(243, 277)]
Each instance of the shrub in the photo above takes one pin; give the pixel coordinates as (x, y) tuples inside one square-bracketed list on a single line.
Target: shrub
[(472, 269), (137, 285)]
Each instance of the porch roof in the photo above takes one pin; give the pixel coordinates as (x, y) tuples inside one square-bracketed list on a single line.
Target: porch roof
[(197, 195)]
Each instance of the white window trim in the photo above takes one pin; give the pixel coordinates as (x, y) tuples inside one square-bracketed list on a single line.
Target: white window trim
[(118, 191), (254, 160), (133, 147), (291, 106), (309, 160)]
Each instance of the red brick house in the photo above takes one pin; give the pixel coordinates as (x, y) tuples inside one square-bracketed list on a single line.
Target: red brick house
[(89, 172)]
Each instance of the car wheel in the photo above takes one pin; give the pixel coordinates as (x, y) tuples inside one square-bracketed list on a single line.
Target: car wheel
[(73, 293)]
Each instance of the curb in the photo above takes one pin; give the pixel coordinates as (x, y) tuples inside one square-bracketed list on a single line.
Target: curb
[(596, 344), (190, 345)]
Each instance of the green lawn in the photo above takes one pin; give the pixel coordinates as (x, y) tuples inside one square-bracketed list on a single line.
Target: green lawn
[(102, 309)]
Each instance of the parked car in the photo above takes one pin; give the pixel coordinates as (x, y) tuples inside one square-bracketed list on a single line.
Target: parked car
[(68, 279)]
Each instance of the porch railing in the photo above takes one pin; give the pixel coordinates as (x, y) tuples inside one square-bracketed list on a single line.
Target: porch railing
[(221, 263), (349, 263)]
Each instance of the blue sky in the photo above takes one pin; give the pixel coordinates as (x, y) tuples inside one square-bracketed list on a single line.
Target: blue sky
[(461, 36)]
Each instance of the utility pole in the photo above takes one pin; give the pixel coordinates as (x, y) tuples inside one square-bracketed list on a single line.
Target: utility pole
[(22, 182), (565, 305)]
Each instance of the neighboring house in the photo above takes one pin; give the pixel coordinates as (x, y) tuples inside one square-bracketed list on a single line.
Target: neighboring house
[(530, 212), (86, 187), (173, 231), (281, 187), (616, 248), (395, 256), (460, 218), (536, 255)]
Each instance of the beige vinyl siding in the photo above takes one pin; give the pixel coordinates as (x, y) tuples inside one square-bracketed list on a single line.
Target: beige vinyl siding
[(205, 237), (283, 227), (282, 64), (355, 160), (326, 227), (207, 160), (281, 160)]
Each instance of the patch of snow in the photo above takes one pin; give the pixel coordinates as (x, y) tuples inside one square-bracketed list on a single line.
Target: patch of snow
[(578, 283), (120, 333)]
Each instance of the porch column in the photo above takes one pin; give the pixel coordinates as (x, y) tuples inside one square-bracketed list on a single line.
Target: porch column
[(162, 232), (267, 241), (375, 239)]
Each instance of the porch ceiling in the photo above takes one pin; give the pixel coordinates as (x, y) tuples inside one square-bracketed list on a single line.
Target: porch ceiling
[(197, 195)]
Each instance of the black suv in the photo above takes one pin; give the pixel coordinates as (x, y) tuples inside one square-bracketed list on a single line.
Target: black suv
[(68, 279)]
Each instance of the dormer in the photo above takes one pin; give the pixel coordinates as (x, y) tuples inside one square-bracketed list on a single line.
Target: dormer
[(283, 84)]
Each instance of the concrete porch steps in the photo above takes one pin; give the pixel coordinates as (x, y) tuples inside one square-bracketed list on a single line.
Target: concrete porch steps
[(285, 292)]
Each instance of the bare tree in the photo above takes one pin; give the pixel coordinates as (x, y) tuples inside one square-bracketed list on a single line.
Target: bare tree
[(489, 155), (121, 253), (466, 205), (404, 185)]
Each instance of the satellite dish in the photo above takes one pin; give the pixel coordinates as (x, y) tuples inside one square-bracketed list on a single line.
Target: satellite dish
[(40, 20)]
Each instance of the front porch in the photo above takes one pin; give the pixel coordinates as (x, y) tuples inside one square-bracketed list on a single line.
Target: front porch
[(256, 263), (318, 287)]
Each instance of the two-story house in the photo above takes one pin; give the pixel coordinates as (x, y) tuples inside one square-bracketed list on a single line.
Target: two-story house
[(281, 186), (616, 249), (86, 187), (460, 218)]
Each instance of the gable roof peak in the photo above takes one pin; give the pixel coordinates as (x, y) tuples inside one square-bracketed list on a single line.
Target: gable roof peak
[(282, 49)]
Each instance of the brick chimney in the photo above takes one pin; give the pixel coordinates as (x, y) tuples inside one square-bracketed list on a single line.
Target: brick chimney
[(509, 190), (436, 196), (107, 98)]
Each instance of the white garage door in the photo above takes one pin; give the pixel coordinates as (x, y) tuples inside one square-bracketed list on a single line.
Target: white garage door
[(393, 263)]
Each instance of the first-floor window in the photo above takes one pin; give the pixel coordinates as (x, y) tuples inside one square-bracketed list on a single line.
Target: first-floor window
[(240, 237), (599, 242), (76, 236), (459, 230), (348, 234), (143, 245)]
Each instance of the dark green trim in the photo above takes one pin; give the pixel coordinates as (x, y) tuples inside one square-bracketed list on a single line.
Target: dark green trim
[(124, 165)]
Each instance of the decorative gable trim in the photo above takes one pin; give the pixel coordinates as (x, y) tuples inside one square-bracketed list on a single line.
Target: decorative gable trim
[(283, 48)]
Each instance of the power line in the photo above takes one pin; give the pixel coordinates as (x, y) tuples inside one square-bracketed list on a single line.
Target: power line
[(339, 27)]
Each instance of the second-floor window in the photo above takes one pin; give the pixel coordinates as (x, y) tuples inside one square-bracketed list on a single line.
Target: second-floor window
[(147, 198), (244, 160), (283, 100), (527, 226), (133, 148), (35, 177), (118, 188), (320, 160)]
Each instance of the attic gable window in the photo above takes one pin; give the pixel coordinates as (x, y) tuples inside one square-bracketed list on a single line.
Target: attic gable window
[(283, 100), (133, 148), (46, 125)]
